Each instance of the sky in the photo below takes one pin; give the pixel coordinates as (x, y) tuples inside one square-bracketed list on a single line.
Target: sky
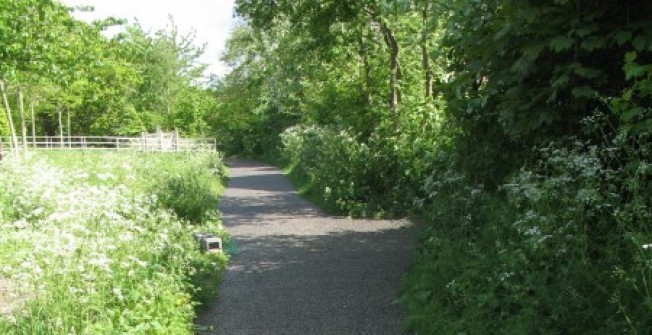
[(212, 20)]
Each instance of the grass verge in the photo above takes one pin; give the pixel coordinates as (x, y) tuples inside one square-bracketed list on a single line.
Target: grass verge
[(307, 189), (93, 244)]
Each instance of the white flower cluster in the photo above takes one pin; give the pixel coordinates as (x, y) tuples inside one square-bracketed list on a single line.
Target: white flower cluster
[(85, 242)]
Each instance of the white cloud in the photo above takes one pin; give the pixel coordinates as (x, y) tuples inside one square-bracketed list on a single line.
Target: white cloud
[(211, 19)]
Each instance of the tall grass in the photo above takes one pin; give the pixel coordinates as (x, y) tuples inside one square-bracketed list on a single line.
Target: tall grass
[(91, 244)]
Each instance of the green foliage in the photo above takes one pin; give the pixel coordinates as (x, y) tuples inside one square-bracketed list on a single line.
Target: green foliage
[(192, 193), (380, 177), (557, 250), (4, 127), (333, 163), (133, 82), (632, 107)]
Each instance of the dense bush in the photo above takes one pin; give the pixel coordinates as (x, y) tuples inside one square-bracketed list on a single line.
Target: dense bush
[(193, 191), (346, 173), (562, 248)]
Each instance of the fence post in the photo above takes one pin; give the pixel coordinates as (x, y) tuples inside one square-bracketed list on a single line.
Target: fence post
[(176, 139), (143, 141), (160, 140), (31, 108), (117, 143), (2, 152)]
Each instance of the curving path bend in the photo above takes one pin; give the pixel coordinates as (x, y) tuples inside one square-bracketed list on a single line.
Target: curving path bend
[(299, 272)]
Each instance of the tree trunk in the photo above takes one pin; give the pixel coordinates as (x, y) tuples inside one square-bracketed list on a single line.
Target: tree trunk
[(394, 64), (31, 108), (23, 126), (424, 50), (60, 127), (12, 129), (395, 75), (69, 132)]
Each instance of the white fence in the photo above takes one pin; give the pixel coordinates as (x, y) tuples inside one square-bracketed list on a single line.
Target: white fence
[(157, 142)]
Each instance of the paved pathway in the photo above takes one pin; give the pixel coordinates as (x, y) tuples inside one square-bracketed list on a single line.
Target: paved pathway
[(301, 272)]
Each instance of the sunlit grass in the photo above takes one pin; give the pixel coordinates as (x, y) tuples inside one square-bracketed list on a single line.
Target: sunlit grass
[(88, 242)]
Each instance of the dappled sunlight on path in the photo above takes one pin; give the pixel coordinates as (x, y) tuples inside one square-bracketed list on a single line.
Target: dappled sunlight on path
[(298, 271)]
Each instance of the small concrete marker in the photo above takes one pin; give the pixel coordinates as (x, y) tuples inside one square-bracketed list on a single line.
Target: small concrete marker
[(208, 242)]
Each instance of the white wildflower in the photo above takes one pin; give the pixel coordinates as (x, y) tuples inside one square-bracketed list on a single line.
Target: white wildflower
[(118, 293), (105, 176), (21, 224)]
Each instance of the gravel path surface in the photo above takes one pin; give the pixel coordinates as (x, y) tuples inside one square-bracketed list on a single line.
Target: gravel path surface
[(300, 272)]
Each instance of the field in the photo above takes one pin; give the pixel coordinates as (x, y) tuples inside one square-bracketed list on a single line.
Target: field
[(101, 243)]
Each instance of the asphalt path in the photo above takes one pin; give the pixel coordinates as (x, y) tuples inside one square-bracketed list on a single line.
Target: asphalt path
[(298, 271)]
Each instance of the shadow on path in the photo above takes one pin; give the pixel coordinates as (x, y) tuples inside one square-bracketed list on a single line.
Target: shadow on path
[(300, 272)]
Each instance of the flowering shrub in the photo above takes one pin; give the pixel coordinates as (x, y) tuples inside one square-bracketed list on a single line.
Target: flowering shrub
[(90, 248), (348, 174), (334, 163), (563, 247)]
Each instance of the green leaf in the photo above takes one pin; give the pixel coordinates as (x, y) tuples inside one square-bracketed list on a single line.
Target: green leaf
[(583, 92), (641, 42), (586, 72), (631, 114), (502, 32), (593, 43), (622, 37), (532, 52), (561, 43), (530, 13), (560, 81), (633, 70), (586, 29), (521, 65)]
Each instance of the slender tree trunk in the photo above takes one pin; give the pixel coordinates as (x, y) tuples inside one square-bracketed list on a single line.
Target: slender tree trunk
[(12, 129), (394, 65), (23, 126), (69, 132), (424, 50), (364, 54), (169, 112), (31, 108), (59, 112)]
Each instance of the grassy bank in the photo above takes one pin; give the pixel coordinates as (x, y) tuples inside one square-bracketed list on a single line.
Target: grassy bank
[(100, 243)]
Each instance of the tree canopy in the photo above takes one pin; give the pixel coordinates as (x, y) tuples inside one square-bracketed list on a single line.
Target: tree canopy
[(131, 82)]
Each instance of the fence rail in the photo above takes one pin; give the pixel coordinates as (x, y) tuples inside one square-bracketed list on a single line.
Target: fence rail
[(145, 143)]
